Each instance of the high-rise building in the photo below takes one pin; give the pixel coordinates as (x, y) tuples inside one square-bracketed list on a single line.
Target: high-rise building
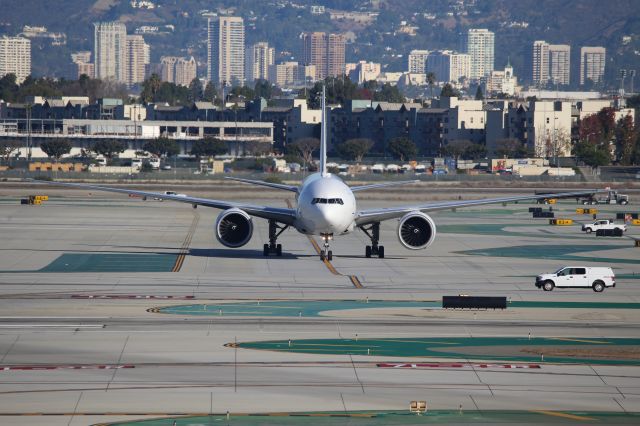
[(418, 61), (186, 70), (168, 68), (177, 70), (258, 59), (110, 51), (138, 59), (559, 63), (15, 57), (83, 63), (335, 55), (592, 64), (479, 45), (449, 66), (540, 63), (225, 50), (326, 52)]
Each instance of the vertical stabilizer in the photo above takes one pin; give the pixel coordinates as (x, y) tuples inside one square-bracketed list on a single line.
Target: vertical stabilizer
[(323, 136)]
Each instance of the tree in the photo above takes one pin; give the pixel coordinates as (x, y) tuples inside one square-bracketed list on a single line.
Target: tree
[(507, 148), (257, 148), (162, 147), (595, 134), (354, 149), (449, 92), (388, 93), (457, 148), (208, 147), (109, 148), (403, 148), (195, 90), (305, 147), (626, 139), (263, 89), (7, 147), (209, 94), (479, 94), (150, 88), (339, 90), (431, 81), (56, 148)]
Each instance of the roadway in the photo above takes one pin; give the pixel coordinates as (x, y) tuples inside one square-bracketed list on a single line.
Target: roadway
[(87, 335)]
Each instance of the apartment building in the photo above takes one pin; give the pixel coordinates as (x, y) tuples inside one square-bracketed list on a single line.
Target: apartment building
[(225, 50), (15, 57), (592, 64), (110, 51), (258, 58)]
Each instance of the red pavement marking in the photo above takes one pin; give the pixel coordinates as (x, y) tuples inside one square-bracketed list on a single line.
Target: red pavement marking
[(127, 296), (66, 367), (455, 365)]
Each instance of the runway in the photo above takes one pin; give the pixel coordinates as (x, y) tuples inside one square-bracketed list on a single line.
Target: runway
[(103, 314)]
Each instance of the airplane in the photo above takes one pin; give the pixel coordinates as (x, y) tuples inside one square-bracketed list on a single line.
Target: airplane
[(326, 206)]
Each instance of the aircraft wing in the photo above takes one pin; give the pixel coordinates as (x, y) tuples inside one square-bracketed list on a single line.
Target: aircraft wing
[(381, 185), (263, 183), (283, 215), (365, 217)]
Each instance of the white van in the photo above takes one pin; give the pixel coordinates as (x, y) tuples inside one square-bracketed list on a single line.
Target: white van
[(578, 276)]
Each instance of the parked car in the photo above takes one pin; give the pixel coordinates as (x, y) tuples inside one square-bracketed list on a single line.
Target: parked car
[(597, 278), (603, 224)]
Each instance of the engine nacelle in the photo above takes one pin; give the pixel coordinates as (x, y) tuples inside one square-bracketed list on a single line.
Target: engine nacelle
[(416, 230), (234, 228)]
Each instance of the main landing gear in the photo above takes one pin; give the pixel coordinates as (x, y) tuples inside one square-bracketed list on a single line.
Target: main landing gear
[(274, 232), (373, 232), (326, 254)]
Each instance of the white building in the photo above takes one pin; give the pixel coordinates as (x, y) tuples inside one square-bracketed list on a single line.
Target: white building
[(466, 119), (258, 59), (540, 63), (363, 71), (138, 59), (448, 66), (225, 50), (502, 81), (560, 64), (418, 61), (289, 74), (186, 69), (110, 51), (549, 128), (15, 57), (592, 64), (480, 47)]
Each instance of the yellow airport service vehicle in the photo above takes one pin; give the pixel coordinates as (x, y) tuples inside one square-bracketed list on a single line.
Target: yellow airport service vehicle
[(561, 222)]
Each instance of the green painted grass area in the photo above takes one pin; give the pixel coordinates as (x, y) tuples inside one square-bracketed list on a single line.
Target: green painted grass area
[(378, 418), (511, 349), (555, 252), (314, 308), (112, 262), (311, 308), (499, 229)]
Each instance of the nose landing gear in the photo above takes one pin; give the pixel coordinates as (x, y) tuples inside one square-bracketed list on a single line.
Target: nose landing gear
[(274, 232), (326, 254), (373, 232)]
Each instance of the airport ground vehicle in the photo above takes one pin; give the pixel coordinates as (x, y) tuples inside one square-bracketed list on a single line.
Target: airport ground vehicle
[(611, 197), (602, 224), (597, 278)]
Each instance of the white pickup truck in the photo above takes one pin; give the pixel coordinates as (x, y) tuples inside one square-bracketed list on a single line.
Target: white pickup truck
[(602, 224)]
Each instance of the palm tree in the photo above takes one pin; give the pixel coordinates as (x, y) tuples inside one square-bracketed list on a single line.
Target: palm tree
[(431, 81)]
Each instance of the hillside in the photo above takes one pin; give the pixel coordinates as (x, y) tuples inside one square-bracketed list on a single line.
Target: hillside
[(436, 23)]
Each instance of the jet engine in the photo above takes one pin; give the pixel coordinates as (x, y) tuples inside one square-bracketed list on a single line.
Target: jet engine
[(416, 230), (234, 228)]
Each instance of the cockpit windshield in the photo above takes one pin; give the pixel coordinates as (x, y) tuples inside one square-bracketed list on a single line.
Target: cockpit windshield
[(327, 201)]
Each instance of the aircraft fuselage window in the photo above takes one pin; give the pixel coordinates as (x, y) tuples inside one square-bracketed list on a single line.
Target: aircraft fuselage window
[(327, 201)]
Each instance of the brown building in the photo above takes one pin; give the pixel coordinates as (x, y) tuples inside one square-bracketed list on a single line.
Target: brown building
[(325, 51)]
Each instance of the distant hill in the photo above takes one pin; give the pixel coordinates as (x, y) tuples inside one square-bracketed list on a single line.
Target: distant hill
[(437, 24)]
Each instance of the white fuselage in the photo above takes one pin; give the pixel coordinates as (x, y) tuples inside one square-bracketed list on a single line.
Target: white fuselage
[(326, 205)]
